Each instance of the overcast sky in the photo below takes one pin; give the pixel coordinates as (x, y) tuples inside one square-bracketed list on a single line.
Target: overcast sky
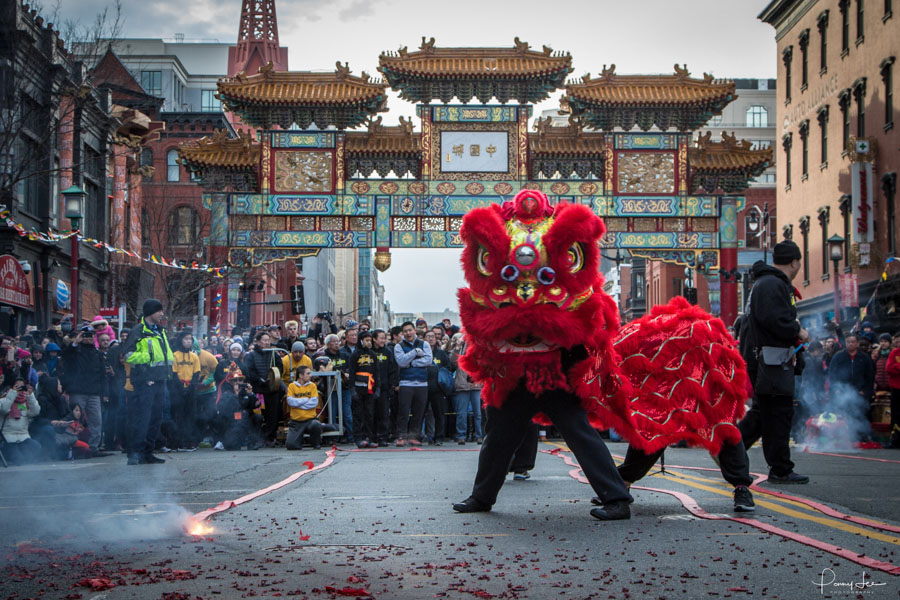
[(722, 37)]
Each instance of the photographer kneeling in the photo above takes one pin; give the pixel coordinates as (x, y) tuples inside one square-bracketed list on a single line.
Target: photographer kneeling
[(19, 407)]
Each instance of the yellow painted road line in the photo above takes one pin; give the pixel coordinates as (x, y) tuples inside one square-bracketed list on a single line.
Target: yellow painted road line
[(826, 521)]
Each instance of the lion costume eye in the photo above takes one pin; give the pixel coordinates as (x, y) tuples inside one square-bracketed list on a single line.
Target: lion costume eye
[(576, 258), (481, 261)]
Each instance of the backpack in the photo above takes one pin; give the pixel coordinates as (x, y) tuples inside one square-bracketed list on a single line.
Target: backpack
[(446, 381)]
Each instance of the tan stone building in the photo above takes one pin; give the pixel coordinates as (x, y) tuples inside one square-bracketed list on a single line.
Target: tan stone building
[(836, 82)]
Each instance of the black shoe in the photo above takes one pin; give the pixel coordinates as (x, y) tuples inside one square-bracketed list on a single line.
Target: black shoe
[(789, 478), (470, 505), (614, 511), (461, 442), (134, 459), (596, 501), (99, 454), (149, 459), (743, 499)]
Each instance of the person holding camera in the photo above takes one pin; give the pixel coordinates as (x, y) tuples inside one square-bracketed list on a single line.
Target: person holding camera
[(85, 378), (322, 325), (19, 407)]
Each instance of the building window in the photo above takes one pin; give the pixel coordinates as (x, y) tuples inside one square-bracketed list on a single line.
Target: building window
[(824, 217), (145, 229), (859, 22), (822, 24), (804, 59), (173, 171), (844, 103), (889, 189), (804, 145), (31, 165), (183, 226), (147, 161), (887, 76), (786, 57), (786, 142), (822, 117), (757, 116), (844, 6), (209, 102), (151, 81), (845, 204), (638, 286), (859, 95), (804, 231)]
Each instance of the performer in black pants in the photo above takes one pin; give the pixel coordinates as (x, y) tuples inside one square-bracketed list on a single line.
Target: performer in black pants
[(506, 427), (732, 460), (526, 454)]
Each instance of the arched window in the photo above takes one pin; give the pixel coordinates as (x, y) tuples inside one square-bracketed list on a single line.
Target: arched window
[(757, 116), (184, 226), (173, 170)]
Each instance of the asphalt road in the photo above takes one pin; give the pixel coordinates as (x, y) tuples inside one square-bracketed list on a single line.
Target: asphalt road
[(378, 523)]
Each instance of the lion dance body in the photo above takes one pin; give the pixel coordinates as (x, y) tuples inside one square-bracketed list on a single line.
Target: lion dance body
[(535, 311)]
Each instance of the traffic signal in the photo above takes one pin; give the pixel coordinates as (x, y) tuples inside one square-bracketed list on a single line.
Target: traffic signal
[(691, 295), (298, 303)]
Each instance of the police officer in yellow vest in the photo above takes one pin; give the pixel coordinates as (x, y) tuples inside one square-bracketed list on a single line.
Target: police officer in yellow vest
[(147, 351)]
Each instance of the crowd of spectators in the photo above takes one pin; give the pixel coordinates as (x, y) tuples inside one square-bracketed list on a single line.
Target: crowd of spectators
[(69, 393)]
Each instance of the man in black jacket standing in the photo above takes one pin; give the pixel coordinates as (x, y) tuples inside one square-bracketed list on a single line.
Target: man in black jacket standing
[(388, 382), (85, 381), (772, 330), (851, 376)]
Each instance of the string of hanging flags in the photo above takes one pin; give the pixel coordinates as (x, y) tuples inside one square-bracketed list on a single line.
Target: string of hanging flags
[(52, 237)]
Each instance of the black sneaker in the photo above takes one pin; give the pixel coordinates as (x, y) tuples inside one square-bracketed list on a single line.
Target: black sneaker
[(149, 459), (614, 511), (743, 499), (470, 505), (789, 478)]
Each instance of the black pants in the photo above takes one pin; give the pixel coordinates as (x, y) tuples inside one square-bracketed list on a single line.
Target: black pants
[(526, 454), (506, 428), (733, 462), (770, 418), (434, 415), (363, 415), (895, 418), (296, 429), (145, 408), (271, 415), (383, 419)]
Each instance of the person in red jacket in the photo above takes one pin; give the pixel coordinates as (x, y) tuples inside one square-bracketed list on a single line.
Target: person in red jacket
[(893, 373)]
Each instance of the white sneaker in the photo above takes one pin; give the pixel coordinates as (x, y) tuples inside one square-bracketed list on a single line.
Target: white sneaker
[(164, 450), (219, 446)]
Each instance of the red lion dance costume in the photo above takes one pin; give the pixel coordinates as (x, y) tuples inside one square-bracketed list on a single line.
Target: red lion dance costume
[(535, 295)]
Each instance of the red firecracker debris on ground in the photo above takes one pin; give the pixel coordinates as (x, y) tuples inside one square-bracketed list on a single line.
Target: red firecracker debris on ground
[(348, 591), (98, 584)]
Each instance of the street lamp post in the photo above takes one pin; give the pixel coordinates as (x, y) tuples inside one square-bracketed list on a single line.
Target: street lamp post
[(836, 252), (74, 197), (759, 226)]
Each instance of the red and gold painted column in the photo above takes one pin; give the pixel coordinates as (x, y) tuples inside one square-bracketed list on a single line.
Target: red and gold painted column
[(728, 259)]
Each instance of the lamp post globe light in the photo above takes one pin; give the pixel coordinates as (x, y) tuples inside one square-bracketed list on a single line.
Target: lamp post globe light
[(74, 199), (836, 253)]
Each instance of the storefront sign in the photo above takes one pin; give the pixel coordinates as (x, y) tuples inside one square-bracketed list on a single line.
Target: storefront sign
[(862, 156), (63, 296), (849, 287), (13, 284)]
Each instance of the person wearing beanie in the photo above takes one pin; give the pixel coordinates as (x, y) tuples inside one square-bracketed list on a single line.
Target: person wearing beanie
[(291, 363), (234, 356), (767, 340), (150, 360)]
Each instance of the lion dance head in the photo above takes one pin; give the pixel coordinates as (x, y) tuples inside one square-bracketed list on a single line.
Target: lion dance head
[(534, 293)]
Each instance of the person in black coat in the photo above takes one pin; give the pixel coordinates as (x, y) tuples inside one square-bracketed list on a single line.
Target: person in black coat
[(54, 409), (235, 422), (437, 402), (772, 322), (85, 379), (363, 368), (256, 369), (388, 382), (851, 377)]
